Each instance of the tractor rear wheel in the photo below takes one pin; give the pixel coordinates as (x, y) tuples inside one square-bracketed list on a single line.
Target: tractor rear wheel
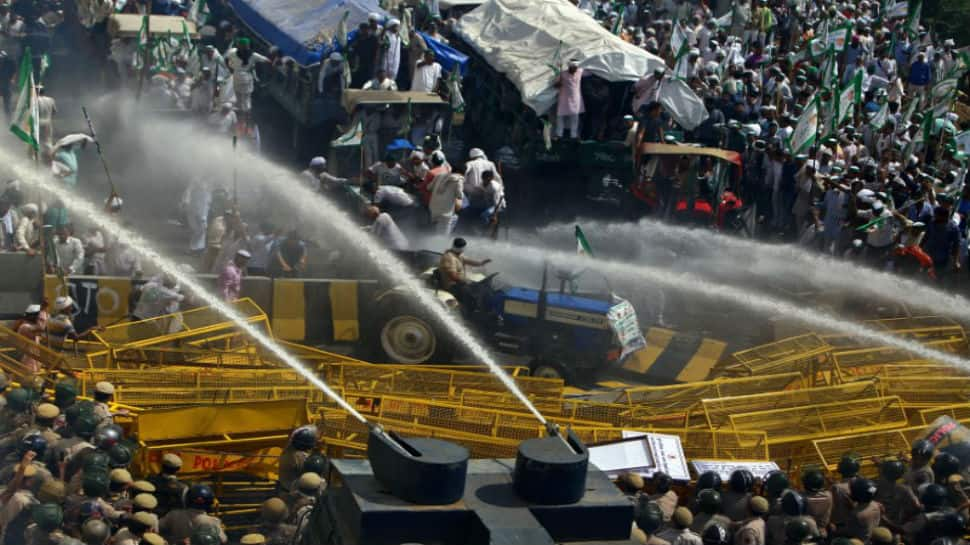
[(410, 335)]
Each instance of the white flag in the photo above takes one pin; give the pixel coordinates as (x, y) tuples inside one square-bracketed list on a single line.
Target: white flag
[(806, 129), (898, 10), (682, 103), (880, 117), (849, 97)]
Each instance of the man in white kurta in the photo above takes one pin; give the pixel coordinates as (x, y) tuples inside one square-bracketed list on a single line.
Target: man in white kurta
[(570, 100), (391, 44)]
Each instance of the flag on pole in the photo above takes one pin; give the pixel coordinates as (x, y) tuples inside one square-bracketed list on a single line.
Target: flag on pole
[(618, 25), (199, 12), (838, 38), (678, 42), (682, 103), (556, 64), (45, 63), (143, 43), (25, 117), (898, 10), (848, 98), (582, 245), (406, 25), (806, 130), (908, 114), (342, 29), (352, 137), (912, 19)]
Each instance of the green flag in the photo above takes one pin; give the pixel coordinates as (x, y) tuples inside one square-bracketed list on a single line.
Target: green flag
[(850, 96), (806, 129), (618, 25), (556, 64), (352, 137), (143, 43), (199, 12), (342, 29), (879, 119), (838, 38), (582, 245), (678, 42), (25, 117), (912, 19)]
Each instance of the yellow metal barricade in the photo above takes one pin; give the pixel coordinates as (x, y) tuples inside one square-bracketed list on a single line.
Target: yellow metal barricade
[(16, 347), (806, 354), (921, 392), (937, 332), (204, 328), (957, 411), (809, 422), (718, 411)]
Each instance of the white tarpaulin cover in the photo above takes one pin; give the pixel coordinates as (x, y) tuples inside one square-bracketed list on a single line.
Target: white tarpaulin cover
[(521, 39)]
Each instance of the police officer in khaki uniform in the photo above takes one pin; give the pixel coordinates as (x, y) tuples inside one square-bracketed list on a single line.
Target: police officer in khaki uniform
[(95, 532), (94, 487), (134, 529), (897, 498), (81, 429), (169, 489), (44, 416), (146, 503), (30, 451), (818, 501), (841, 495), (650, 520), (708, 504), (678, 531), (920, 472), (663, 495), (792, 507), (16, 502), (866, 513), (301, 501), (751, 530), (179, 524), (118, 482), (273, 513), (933, 498), (302, 441), (735, 501), (103, 394)]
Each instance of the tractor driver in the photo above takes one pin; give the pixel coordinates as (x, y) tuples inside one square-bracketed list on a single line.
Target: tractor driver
[(451, 268)]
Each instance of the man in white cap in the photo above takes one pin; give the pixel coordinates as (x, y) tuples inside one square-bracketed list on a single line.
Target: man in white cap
[(230, 280), (570, 103), (477, 164), (242, 61), (30, 327), (212, 59), (427, 73), (26, 237), (203, 92), (318, 178), (224, 119), (333, 78), (374, 22), (60, 327), (391, 49)]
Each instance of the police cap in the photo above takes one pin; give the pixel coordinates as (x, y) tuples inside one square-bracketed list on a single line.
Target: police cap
[(52, 491), (171, 461), (309, 483), (758, 505), (47, 411), (630, 482), (881, 536), (147, 502), (274, 510), (682, 517), (252, 539), (151, 538)]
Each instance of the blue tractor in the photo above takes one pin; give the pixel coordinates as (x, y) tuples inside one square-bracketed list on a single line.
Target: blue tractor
[(563, 332)]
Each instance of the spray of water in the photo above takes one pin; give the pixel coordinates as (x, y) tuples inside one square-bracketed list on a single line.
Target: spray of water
[(783, 260), (199, 151), (759, 303), (86, 209)]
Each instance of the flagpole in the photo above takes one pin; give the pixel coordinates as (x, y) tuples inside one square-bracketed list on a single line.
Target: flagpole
[(146, 55), (97, 145)]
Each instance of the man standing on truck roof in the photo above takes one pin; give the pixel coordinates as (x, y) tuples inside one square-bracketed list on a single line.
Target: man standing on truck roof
[(570, 100), (242, 61), (391, 47), (363, 55)]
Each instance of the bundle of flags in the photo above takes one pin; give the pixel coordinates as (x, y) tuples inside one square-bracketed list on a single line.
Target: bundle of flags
[(163, 52)]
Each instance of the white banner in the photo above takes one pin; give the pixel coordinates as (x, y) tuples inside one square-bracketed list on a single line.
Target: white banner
[(724, 468)]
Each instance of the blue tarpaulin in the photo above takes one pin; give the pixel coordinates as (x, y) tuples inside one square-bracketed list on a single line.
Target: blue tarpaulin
[(295, 25), (446, 56)]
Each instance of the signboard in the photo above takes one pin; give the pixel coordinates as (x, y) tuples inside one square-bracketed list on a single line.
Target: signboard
[(623, 322), (724, 468), (643, 453)]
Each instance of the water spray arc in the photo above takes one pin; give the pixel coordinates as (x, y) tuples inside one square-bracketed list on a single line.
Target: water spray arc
[(310, 204), (753, 301), (796, 261), (86, 209)]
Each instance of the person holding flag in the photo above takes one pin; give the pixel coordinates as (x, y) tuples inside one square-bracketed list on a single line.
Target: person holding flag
[(570, 104)]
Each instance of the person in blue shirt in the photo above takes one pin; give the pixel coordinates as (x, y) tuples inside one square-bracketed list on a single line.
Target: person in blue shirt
[(919, 74), (942, 242)]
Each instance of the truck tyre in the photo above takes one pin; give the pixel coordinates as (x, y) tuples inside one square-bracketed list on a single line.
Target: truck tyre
[(408, 335), (543, 369)]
